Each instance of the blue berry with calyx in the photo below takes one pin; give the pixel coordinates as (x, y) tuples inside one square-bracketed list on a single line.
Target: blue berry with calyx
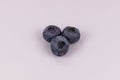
[(59, 46), (72, 34), (50, 32)]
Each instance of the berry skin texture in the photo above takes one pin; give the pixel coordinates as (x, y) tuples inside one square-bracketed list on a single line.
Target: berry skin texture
[(50, 32), (59, 46), (72, 34)]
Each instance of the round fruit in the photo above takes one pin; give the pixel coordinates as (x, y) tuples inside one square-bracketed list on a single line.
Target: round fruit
[(72, 34), (59, 45), (50, 32)]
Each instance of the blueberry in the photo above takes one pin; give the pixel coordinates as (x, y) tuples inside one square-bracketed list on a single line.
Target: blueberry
[(50, 32), (59, 46), (72, 34)]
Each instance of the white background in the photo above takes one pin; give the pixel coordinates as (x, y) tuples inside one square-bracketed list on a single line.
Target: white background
[(25, 55)]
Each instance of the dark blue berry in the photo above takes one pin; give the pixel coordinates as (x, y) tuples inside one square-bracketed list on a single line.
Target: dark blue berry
[(72, 34), (59, 45), (50, 32)]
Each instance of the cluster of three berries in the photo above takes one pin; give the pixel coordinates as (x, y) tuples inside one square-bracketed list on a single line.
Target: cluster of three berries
[(60, 40)]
